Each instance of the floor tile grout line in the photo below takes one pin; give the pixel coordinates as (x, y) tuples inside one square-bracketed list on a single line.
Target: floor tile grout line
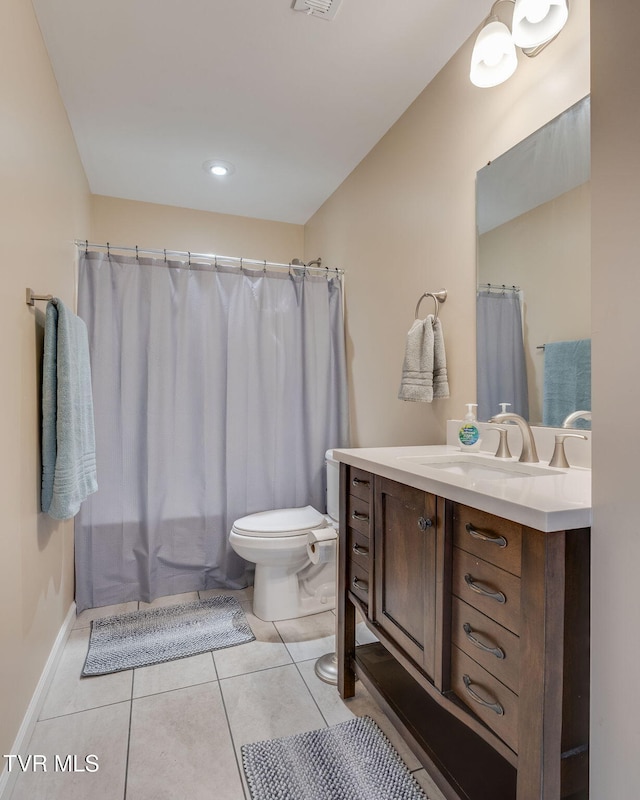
[(326, 722), (233, 744), (83, 710), (126, 760)]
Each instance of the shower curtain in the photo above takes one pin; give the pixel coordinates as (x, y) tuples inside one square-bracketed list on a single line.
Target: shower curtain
[(216, 393), (502, 373)]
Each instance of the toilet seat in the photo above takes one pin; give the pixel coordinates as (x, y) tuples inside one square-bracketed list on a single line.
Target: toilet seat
[(287, 522)]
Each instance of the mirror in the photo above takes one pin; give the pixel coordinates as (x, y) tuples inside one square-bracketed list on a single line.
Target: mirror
[(533, 220)]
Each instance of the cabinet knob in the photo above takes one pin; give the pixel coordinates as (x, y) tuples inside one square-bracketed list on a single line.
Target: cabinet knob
[(423, 523)]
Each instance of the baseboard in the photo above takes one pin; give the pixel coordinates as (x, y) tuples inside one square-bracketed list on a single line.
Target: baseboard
[(7, 779)]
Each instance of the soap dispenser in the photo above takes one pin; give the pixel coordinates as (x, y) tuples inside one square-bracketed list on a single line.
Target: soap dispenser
[(469, 433)]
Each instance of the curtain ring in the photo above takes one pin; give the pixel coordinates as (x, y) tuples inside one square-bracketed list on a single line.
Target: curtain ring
[(241, 265), (108, 251), (189, 254), (165, 256), (137, 259), (86, 247), (264, 269), (215, 263)]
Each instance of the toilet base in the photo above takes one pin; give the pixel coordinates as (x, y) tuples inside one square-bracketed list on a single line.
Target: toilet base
[(280, 594)]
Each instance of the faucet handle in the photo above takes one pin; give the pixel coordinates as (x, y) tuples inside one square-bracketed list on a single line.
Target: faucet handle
[(559, 457), (503, 446)]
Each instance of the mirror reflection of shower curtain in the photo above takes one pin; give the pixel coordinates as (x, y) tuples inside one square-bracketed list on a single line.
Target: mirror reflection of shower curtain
[(502, 374), (216, 394)]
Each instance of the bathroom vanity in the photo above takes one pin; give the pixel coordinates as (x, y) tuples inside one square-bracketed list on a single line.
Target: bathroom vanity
[(476, 585)]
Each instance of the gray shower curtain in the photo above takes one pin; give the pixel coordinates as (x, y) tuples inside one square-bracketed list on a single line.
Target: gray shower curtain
[(501, 367), (216, 393)]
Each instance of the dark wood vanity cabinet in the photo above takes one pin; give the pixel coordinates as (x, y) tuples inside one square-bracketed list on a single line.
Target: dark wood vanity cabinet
[(483, 629), (405, 534)]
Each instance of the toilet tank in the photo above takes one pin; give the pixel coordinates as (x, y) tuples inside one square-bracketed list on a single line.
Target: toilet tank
[(333, 485)]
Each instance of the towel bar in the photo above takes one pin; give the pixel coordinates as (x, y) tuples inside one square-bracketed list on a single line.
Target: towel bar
[(32, 297), (438, 297)]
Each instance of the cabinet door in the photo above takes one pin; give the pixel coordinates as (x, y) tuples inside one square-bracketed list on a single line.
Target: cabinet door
[(405, 527)]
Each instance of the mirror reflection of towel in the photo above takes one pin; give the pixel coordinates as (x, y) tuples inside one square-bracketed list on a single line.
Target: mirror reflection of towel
[(424, 371), (567, 380)]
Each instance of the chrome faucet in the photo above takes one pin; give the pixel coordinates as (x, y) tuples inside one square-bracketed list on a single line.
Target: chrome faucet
[(568, 422), (529, 453)]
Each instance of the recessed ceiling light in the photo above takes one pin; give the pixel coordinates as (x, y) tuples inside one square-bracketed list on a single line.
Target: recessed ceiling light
[(218, 167)]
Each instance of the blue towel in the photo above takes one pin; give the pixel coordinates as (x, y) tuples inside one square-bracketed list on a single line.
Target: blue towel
[(68, 438), (567, 380)]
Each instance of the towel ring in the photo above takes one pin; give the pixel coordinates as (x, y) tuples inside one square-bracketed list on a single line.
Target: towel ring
[(438, 297)]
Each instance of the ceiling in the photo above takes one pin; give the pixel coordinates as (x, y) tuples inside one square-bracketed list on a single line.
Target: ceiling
[(154, 89)]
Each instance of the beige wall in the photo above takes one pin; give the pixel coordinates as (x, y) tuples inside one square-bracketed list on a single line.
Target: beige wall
[(547, 253), (128, 223), (615, 203), (44, 204), (404, 222)]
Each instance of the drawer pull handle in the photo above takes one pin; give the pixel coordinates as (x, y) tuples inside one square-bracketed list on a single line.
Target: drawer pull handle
[(360, 517), (423, 523), (360, 482), (498, 652), (483, 590), (485, 537), (495, 707), (358, 584), (360, 551)]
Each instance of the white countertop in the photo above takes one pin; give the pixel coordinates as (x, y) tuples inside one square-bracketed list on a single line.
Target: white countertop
[(548, 502)]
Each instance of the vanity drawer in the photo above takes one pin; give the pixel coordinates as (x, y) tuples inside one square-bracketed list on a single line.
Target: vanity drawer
[(492, 646), (489, 699), (488, 588), (358, 514), (491, 538), (360, 483), (359, 582), (359, 549)]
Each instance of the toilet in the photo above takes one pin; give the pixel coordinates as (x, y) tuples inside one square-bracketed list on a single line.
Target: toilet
[(283, 545)]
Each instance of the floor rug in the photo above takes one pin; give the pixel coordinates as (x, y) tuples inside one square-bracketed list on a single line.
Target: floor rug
[(142, 638), (350, 761)]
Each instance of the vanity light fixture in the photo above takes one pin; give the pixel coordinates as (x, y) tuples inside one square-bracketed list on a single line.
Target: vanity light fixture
[(535, 23), (218, 167)]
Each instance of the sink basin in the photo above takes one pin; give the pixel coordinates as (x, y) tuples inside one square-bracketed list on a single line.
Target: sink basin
[(480, 467)]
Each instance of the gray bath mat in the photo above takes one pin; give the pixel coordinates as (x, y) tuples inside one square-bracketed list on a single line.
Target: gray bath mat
[(162, 634), (350, 761)]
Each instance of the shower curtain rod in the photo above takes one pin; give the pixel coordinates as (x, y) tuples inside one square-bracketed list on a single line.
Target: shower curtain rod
[(499, 287), (186, 254)]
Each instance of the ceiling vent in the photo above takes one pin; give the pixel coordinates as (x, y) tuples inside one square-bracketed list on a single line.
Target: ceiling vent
[(325, 9)]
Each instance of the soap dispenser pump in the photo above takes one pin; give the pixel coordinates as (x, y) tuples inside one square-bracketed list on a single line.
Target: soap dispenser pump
[(469, 433)]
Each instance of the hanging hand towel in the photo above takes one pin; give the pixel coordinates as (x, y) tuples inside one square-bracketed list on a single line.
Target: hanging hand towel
[(417, 370), (440, 380), (68, 439)]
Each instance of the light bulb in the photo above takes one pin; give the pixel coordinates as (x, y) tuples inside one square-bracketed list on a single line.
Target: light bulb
[(535, 22), (494, 58)]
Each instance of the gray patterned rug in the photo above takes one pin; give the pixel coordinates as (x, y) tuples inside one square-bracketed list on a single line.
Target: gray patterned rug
[(350, 761), (162, 634)]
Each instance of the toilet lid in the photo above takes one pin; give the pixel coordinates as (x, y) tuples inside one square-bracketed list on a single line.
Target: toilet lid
[(286, 521)]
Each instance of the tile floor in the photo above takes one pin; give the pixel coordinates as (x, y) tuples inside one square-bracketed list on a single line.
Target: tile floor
[(174, 731)]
